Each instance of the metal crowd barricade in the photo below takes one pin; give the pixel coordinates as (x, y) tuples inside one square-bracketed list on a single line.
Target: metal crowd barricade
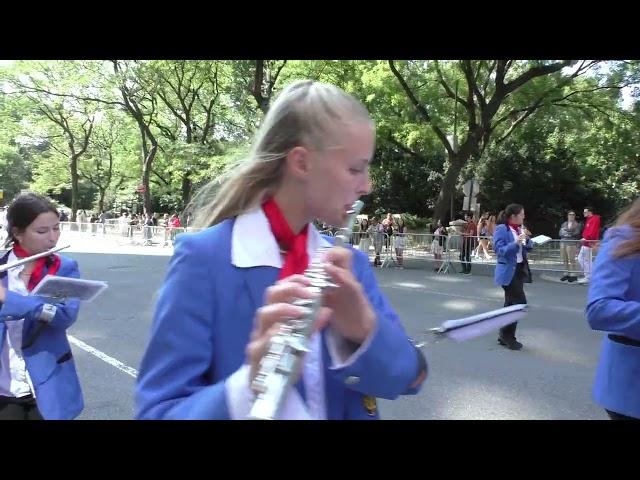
[(556, 255), (378, 242), (544, 257)]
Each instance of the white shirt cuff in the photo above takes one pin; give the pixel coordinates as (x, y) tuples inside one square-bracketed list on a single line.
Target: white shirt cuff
[(240, 399)]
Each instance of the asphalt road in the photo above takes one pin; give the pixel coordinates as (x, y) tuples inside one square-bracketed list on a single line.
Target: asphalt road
[(550, 378)]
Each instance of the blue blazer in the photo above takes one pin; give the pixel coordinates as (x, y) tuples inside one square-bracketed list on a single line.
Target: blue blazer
[(507, 254), (48, 358), (613, 306), (202, 322)]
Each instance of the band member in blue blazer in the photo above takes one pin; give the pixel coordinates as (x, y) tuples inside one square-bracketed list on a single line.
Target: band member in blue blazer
[(230, 286), (38, 378), (613, 306), (511, 243)]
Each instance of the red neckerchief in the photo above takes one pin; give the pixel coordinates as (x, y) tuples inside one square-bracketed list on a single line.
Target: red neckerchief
[(296, 259), (45, 265), (517, 228)]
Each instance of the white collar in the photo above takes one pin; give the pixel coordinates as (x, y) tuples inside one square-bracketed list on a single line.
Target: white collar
[(14, 283), (253, 244), (14, 258)]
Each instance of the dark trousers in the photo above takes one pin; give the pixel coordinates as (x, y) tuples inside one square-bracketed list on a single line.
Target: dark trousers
[(465, 254), (23, 408), (514, 295), (619, 416)]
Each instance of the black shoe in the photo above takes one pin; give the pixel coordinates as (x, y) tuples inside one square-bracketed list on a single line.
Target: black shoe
[(565, 278), (572, 279), (510, 343)]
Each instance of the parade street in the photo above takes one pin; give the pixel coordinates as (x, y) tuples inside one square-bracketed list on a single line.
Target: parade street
[(550, 378)]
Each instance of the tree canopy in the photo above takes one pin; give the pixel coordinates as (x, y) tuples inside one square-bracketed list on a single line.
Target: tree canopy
[(550, 134)]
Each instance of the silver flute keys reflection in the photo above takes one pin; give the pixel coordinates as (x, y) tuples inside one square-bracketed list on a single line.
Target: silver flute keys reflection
[(285, 353), (22, 261)]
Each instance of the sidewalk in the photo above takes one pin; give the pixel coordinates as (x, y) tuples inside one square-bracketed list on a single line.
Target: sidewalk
[(85, 242)]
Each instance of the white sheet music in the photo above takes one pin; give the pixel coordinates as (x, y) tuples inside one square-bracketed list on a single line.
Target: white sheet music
[(462, 322), (464, 329), (541, 239), (55, 287)]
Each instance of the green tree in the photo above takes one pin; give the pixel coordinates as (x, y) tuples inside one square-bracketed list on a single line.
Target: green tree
[(15, 172), (198, 118), (62, 121), (111, 162), (494, 98)]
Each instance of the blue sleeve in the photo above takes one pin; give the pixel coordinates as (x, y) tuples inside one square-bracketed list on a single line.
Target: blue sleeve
[(609, 307), (390, 364), (29, 307), (173, 382), (503, 243), (529, 245)]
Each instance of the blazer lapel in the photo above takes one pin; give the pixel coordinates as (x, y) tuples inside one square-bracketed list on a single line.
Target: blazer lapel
[(257, 279), (4, 276), (3, 261)]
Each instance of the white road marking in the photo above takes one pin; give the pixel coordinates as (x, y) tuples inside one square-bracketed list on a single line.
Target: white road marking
[(103, 356)]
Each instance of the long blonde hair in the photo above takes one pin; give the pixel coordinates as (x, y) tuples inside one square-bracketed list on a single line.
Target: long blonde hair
[(305, 113), (631, 217)]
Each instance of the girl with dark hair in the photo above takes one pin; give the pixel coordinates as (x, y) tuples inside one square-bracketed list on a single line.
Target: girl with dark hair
[(38, 378), (511, 243)]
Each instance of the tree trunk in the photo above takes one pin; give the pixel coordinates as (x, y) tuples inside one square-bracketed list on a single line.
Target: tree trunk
[(73, 167), (442, 207), (263, 103), (187, 185), (103, 192), (146, 174)]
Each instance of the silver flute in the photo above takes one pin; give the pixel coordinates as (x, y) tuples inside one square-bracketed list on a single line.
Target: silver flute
[(283, 361), (22, 261)]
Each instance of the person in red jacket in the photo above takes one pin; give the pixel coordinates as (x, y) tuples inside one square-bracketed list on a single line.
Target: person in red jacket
[(590, 237), (175, 227)]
